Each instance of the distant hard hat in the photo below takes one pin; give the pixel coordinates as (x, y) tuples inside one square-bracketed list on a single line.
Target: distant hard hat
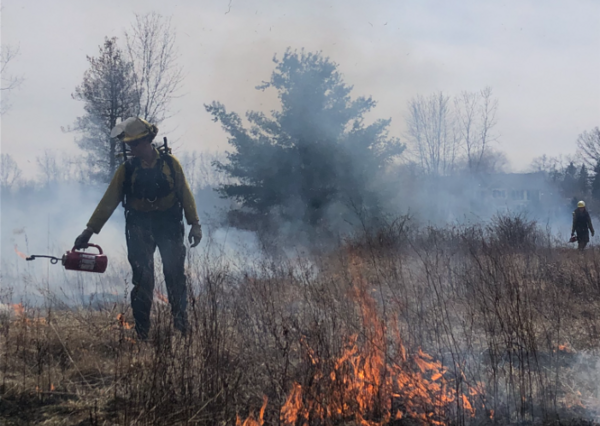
[(132, 129), (581, 204)]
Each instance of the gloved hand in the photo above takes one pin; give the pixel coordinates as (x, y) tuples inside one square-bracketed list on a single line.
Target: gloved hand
[(83, 239), (195, 235)]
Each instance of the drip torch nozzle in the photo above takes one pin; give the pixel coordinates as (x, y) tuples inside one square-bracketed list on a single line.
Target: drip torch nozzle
[(53, 260)]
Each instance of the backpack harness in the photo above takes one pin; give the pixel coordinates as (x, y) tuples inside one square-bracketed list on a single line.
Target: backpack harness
[(581, 219), (150, 184)]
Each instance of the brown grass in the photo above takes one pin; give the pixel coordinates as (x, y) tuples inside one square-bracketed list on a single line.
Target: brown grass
[(502, 309)]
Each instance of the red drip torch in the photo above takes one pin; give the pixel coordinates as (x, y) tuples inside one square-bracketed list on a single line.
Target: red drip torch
[(79, 261)]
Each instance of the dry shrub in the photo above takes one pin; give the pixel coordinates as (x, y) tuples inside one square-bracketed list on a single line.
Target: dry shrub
[(514, 231)]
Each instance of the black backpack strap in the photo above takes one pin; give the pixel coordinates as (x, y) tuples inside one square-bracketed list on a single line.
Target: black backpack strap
[(130, 166), (167, 158)]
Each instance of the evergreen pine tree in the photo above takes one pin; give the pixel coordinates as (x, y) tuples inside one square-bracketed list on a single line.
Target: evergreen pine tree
[(569, 183), (314, 152), (109, 94), (583, 181)]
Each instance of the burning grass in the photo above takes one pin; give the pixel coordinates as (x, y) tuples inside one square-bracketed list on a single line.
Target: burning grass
[(427, 327), (373, 381)]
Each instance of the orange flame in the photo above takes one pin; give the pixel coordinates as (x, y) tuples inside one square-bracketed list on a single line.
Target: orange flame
[(21, 315), (123, 323), (161, 297), (373, 380), (251, 421), (23, 255), (19, 309), (292, 408), (565, 348)]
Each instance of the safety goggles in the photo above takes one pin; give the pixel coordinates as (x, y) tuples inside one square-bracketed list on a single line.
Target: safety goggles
[(133, 144)]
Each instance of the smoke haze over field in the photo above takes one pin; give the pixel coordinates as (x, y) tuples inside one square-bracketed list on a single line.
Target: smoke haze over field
[(543, 64), (46, 222), (542, 61), (372, 222)]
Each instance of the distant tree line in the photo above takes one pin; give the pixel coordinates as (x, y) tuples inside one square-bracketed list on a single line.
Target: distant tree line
[(314, 160), (576, 177)]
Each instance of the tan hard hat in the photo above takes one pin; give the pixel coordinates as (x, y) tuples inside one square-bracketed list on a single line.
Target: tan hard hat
[(581, 204), (132, 129)]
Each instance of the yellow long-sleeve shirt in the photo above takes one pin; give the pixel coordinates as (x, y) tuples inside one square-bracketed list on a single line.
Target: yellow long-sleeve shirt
[(114, 195)]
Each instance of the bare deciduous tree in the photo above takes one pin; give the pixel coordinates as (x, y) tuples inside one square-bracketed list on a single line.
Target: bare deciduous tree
[(49, 170), (200, 172), (475, 114), (588, 147), (543, 164), (59, 166), (446, 138), (548, 164), (10, 173), (157, 77), (9, 82), (431, 135)]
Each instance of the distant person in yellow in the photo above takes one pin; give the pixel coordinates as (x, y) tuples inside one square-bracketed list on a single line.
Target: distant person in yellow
[(154, 192), (582, 225)]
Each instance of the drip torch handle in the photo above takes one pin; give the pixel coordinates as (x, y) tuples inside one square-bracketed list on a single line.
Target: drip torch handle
[(92, 245)]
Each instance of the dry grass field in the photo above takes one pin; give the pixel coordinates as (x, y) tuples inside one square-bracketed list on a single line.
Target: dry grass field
[(404, 326)]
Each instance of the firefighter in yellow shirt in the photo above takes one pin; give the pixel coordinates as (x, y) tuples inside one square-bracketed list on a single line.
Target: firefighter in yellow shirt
[(154, 192)]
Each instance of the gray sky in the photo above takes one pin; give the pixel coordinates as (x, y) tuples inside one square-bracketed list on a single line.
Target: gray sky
[(542, 59)]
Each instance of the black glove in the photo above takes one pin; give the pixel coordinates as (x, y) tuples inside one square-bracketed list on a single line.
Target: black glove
[(195, 234), (83, 239)]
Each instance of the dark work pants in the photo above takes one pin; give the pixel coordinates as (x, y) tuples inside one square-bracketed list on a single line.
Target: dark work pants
[(583, 238), (146, 231)]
